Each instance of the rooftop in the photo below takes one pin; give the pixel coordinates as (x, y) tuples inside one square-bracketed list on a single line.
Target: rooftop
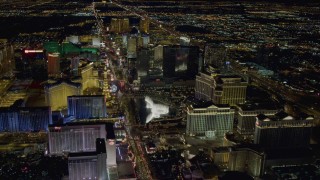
[(61, 81), (82, 154), (84, 96), (283, 116), (80, 124), (197, 104), (232, 78), (25, 109), (285, 153), (258, 106), (125, 170)]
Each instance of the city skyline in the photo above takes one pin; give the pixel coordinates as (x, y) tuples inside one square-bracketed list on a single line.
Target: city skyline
[(137, 89)]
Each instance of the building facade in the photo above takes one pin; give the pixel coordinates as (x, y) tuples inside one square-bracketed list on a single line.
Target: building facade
[(144, 25), (145, 40), (246, 160), (73, 39), (56, 93), (144, 60), (247, 113), (89, 165), (75, 138), (53, 64), (25, 119), (181, 62), (212, 118), (101, 158), (221, 156), (120, 25), (6, 57), (283, 131), (82, 107), (158, 54), (239, 159), (96, 41), (87, 78), (204, 87), (132, 47), (221, 89)]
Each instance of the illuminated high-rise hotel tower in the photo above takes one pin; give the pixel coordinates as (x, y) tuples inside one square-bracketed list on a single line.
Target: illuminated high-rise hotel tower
[(82, 107), (144, 25), (132, 47), (73, 138), (6, 57), (56, 93), (221, 89), (89, 165), (247, 113), (207, 119), (25, 119), (120, 25), (53, 64), (283, 130)]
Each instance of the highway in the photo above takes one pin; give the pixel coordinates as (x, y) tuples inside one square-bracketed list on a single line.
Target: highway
[(286, 93), (279, 90)]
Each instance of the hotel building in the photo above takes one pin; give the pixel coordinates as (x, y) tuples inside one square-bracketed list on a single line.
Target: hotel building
[(89, 165), (144, 25), (6, 57), (239, 159), (283, 130), (53, 64), (82, 107), (120, 25), (72, 138), (221, 89), (247, 113), (25, 119), (56, 93), (203, 120)]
